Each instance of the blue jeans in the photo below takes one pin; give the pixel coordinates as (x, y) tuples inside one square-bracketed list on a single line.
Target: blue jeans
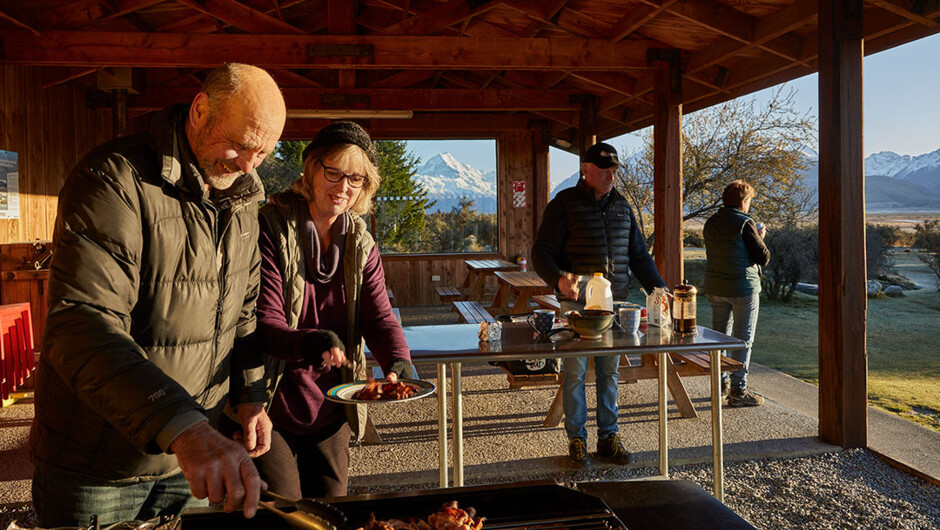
[(574, 403), (63, 500), (736, 316)]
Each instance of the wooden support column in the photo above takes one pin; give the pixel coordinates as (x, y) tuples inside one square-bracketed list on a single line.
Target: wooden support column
[(587, 122), (667, 165), (541, 177), (119, 111), (843, 362)]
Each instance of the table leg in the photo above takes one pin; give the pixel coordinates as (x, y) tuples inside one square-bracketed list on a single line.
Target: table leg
[(555, 411), (522, 304), (717, 448), (479, 284), (678, 391), (663, 416), (442, 422), (458, 425)]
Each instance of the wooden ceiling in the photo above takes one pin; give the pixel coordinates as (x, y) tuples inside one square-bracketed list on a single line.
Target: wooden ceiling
[(462, 66)]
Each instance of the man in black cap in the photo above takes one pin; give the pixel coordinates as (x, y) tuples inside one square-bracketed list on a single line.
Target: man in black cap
[(586, 229)]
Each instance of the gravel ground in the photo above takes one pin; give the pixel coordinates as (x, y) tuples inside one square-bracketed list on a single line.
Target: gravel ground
[(845, 490)]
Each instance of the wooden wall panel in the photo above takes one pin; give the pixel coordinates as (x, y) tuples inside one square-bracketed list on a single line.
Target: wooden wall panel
[(50, 130)]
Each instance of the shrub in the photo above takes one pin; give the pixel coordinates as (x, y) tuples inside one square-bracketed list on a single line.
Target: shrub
[(693, 238), (794, 257), (878, 239), (927, 246)]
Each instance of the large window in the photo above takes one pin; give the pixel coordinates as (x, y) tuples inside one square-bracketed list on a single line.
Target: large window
[(437, 196)]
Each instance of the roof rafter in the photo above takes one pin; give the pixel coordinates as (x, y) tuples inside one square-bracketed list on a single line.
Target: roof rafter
[(21, 17), (242, 16), (903, 11), (66, 48), (417, 99), (77, 14), (443, 16)]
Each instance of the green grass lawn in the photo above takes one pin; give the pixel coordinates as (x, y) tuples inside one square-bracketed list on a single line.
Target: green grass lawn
[(903, 346)]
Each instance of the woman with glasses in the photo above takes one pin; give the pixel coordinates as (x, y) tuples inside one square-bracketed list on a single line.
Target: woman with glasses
[(322, 293)]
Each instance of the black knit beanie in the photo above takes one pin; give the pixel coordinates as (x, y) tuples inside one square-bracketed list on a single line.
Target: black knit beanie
[(343, 132)]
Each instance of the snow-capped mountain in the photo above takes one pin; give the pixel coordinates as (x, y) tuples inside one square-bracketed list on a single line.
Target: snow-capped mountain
[(447, 180), (886, 163), (567, 183)]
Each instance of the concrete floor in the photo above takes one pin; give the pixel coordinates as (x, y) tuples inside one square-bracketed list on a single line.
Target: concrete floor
[(504, 439)]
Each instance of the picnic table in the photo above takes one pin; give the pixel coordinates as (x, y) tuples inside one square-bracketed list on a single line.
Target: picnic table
[(523, 286), (477, 272)]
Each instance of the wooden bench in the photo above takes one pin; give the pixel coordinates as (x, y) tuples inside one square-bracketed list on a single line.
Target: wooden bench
[(547, 301), (472, 312), (449, 293), (526, 380)]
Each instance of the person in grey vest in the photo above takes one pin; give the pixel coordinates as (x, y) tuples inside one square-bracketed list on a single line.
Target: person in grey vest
[(322, 294), (586, 229), (734, 247), (150, 330)]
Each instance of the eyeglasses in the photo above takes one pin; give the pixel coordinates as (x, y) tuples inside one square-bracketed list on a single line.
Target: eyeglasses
[(334, 175)]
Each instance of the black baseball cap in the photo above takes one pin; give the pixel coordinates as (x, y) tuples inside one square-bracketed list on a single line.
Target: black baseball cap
[(601, 155)]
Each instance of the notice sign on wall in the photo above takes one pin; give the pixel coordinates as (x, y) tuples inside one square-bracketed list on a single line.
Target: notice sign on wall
[(9, 186), (518, 194)]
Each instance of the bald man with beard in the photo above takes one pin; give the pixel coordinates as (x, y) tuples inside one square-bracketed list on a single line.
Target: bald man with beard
[(150, 332)]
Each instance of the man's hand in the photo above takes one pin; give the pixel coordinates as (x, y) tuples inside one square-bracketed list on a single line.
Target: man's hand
[(568, 285), (334, 357), (256, 429), (218, 468), (762, 231), (392, 377)]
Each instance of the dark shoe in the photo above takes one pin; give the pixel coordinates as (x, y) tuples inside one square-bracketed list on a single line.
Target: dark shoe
[(577, 451), (611, 449), (725, 389), (744, 398)]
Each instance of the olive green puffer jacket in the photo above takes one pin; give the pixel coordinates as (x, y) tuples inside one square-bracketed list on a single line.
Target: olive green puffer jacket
[(152, 292)]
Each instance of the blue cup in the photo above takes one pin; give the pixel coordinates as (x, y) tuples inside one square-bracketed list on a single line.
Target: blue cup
[(542, 321), (629, 318)]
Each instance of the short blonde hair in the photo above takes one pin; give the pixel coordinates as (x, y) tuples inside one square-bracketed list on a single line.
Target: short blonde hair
[(736, 193), (342, 155)]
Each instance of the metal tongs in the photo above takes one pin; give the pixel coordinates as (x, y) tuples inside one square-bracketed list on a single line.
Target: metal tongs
[(309, 514)]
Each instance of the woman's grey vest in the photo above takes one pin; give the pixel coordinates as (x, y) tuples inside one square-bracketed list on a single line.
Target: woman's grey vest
[(281, 217)]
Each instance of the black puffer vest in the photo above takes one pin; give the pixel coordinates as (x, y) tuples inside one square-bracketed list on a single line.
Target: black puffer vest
[(598, 236), (729, 271)]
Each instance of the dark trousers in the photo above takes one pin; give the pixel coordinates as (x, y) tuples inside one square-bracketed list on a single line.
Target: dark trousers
[(309, 465)]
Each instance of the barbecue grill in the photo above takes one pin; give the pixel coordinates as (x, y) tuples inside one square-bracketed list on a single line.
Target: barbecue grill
[(542, 506)]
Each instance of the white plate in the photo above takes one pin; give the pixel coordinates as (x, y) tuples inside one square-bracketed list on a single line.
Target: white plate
[(344, 393)]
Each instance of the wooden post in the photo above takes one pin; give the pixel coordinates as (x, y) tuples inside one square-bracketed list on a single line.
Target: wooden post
[(667, 165), (587, 123), (119, 112), (541, 177), (843, 362)]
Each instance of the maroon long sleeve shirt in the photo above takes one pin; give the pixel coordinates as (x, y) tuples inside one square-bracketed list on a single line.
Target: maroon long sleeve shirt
[(299, 405)]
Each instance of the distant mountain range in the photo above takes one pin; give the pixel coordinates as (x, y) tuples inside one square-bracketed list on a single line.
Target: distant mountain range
[(448, 180), (893, 182)]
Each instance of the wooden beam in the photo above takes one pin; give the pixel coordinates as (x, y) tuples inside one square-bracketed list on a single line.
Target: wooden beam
[(506, 100), (667, 167), (404, 78), (69, 48), (21, 17), (636, 19), (615, 83), (888, 5), (57, 76), (341, 17), (843, 362), (587, 123), (445, 125), (241, 16), (438, 18), (74, 15)]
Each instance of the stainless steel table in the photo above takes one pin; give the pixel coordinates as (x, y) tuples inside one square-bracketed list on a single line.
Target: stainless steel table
[(457, 343)]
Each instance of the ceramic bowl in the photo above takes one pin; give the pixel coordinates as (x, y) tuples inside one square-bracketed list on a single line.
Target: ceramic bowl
[(590, 323)]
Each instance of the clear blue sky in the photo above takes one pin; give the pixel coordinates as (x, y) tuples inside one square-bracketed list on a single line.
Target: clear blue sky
[(901, 111)]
